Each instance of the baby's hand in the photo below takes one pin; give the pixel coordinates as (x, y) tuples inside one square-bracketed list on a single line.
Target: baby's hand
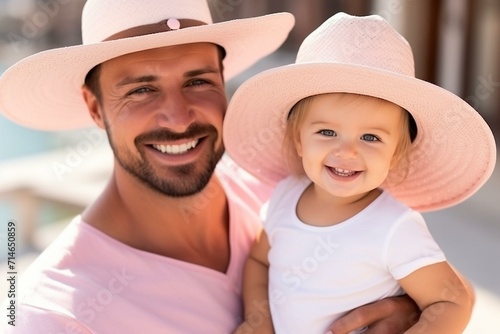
[(256, 328)]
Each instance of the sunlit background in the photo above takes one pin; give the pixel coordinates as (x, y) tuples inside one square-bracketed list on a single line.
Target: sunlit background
[(46, 178)]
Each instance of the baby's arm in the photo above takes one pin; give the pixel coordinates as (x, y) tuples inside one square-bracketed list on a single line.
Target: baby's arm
[(255, 291), (444, 298)]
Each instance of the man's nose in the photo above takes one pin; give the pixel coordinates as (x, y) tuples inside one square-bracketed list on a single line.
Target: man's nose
[(175, 112)]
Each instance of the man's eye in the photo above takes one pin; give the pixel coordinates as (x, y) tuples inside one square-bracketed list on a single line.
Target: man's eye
[(369, 137), (328, 133), (140, 91), (197, 82)]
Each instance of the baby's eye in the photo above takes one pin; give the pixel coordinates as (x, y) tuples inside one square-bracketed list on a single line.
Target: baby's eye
[(328, 133), (369, 137)]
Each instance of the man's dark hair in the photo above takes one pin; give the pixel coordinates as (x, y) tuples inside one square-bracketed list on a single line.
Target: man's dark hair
[(92, 82)]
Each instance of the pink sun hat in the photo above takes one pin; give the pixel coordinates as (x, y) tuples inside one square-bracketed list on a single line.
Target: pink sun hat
[(43, 91), (452, 156)]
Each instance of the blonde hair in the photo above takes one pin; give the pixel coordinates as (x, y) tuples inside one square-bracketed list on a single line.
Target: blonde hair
[(296, 118), (402, 152)]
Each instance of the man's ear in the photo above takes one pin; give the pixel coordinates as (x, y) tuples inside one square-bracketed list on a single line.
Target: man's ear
[(93, 106)]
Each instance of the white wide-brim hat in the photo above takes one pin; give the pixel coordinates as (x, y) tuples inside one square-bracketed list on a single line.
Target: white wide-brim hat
[(453, 154), (43, 91)]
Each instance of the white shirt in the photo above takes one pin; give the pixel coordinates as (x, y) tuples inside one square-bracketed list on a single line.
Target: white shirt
[(317, 274)]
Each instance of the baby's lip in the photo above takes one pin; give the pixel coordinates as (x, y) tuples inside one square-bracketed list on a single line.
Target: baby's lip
[(343, 171)]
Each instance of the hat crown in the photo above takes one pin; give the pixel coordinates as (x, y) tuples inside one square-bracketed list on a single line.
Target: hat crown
[(102, 19), (367, 41)]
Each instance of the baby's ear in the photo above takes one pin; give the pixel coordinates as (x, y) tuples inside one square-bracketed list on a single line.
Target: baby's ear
[(93, 106)]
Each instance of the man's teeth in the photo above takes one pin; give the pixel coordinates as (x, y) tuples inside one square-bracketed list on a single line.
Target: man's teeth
[(176, 149), (344, 172)]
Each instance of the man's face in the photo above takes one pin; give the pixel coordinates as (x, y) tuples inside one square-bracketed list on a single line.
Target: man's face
[(163, 111)]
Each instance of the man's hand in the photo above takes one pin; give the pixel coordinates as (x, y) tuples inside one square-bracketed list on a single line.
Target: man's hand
[(387, 316)]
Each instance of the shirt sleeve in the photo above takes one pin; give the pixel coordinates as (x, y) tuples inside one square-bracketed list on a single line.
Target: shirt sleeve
[(410, 246)]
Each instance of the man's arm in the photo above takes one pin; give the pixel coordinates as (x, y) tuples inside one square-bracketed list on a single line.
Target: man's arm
[(391, 315)]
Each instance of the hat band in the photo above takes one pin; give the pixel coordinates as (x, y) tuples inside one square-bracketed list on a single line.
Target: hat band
[(162, 26)]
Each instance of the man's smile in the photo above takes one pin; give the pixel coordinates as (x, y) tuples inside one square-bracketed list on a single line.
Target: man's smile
[(176, 149)]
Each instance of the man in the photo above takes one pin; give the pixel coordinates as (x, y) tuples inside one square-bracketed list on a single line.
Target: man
[(161, 250)]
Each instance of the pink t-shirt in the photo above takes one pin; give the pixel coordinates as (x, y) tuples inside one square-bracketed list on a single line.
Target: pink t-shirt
[(88, 282)]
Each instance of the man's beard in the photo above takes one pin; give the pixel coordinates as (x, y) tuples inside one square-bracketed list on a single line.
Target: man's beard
[(184, 180)]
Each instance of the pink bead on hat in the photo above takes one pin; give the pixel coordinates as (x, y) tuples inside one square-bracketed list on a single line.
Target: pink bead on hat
[(453, 154), (43, 91)]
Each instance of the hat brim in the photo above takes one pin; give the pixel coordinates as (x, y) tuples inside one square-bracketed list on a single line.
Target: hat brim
[(437, 178), (43, 91)]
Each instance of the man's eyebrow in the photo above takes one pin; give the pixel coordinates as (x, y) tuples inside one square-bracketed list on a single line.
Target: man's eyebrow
[(134, 80), (205, 70), (151, 78)]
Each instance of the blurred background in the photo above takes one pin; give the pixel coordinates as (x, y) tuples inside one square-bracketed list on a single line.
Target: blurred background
[(47, 178)]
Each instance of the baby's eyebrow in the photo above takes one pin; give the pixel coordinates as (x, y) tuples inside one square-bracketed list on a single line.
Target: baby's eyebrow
[(384, 130)]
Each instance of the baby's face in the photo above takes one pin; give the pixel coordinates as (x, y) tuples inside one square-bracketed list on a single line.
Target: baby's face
[(347, 142)]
